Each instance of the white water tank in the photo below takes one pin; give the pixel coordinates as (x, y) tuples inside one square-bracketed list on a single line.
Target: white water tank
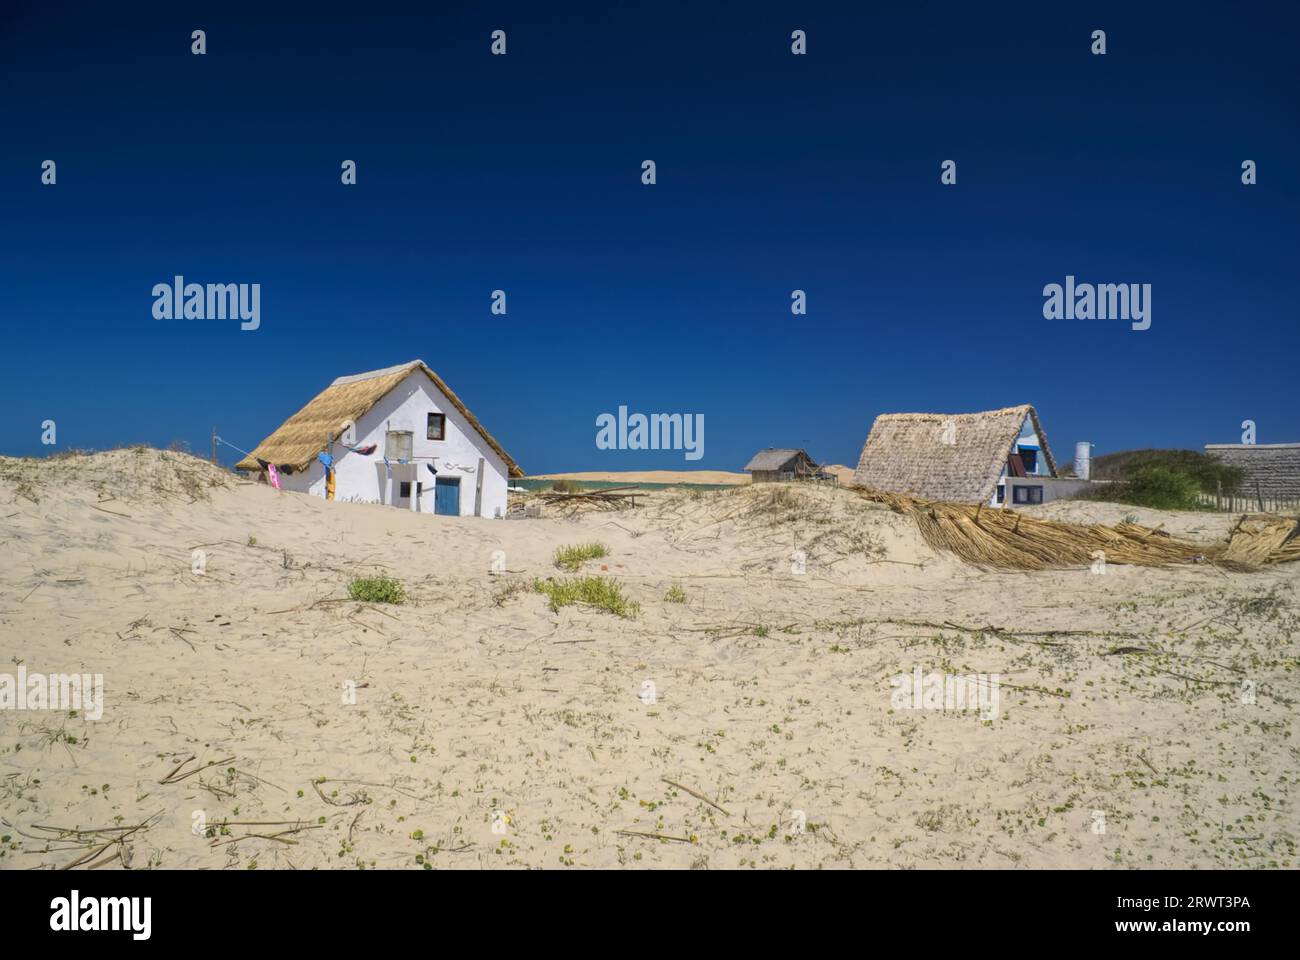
[(1083, 460)]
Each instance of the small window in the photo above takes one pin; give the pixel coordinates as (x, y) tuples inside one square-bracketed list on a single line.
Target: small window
[(1002, 493), (1030, 459), (437, 427), (404, 491), (1027, 495)]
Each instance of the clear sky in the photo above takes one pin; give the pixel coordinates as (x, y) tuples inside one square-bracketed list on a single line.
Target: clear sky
[(775, 172)]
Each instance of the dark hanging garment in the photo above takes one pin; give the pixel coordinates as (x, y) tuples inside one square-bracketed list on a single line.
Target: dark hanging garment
[(432, 469), (286, 468), (263, 463)]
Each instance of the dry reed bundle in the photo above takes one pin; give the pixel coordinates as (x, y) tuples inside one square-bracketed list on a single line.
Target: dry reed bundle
[(1011, 540), (1263, 539)]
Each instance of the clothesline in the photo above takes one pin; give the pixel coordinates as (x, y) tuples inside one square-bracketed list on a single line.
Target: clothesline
[(232, 446), (386, 460), (247, 454)]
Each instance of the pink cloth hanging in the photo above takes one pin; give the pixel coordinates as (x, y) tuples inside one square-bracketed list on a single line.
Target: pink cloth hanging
[(274, 475)]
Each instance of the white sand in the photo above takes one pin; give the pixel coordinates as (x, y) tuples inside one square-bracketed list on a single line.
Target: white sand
[(650, 476), (772, 688), (844, 473)]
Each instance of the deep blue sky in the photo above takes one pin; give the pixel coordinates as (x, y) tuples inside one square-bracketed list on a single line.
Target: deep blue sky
[(776, 172)]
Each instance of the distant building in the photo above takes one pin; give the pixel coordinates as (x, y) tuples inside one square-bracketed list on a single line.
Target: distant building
[(1271, 470), (397, 436), (998, 457), (778, 464)]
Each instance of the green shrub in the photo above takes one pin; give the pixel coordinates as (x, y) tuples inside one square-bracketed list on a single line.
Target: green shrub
[(571, 558), (1162, 479), (599, 592), (675, 594), (1164, 488), (376, 590), (1210, 473), (565, 486), (1161, 488)]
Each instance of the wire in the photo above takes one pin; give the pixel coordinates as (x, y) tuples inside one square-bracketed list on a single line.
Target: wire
[(232, 446)]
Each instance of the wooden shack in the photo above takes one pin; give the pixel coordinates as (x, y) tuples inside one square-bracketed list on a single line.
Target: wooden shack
[(779, 465)]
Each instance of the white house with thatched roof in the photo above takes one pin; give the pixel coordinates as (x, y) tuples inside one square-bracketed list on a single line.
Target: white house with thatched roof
[(397, 436), (998, 457)]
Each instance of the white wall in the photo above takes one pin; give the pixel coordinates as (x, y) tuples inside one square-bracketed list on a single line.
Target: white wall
[(405, 407), (1054, 488), (1028, 436)]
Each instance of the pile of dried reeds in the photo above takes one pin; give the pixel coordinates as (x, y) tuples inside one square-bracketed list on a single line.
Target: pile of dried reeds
[(1263, 539), (608, 498), (1009, 539)]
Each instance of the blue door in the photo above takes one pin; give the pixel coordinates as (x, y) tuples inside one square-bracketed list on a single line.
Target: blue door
[(446, 496)]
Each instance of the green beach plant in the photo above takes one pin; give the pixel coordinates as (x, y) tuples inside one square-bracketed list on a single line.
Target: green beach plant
[(573, 557), (376, 590), (600, 592)]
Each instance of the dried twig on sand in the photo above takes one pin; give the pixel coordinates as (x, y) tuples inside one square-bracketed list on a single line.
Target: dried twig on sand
[(653, 836), (694, 793), (174, 778)]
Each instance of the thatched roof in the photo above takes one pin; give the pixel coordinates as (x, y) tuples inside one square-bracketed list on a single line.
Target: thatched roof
[(775, 458), (297, 441), (1269, 469), (906, 453)]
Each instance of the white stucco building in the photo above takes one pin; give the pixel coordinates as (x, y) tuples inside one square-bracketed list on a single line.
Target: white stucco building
[(397, 436)]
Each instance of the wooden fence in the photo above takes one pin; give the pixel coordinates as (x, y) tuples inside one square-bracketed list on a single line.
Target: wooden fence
[(1254, 503)]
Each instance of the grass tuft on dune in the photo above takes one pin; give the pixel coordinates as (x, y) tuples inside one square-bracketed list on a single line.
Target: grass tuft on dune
[(600, 592)]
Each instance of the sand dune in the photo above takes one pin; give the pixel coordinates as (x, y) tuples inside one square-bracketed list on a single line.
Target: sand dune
[(491, 731), (650, 476), (845, 474)]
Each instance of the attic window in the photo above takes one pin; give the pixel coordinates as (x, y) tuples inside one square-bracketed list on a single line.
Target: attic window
[(1029, 457), (397, 445), (437, 428)]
